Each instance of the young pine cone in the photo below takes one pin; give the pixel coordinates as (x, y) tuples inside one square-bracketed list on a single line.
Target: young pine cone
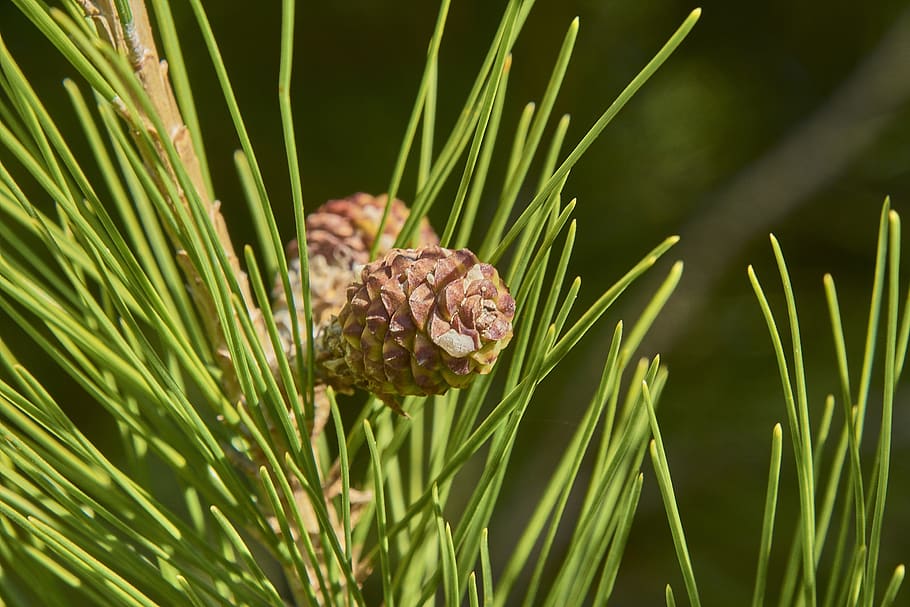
[(340, 235), (419, 321), (342, 231)]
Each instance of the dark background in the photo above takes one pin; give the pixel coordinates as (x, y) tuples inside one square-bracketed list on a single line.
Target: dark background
[(772, 116)]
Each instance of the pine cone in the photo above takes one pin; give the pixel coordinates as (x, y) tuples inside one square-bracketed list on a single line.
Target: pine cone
[(340, 235), (343, 231), (419, 321)]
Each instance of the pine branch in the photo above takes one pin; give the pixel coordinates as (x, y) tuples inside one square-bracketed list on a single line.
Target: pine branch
[(126, 26)]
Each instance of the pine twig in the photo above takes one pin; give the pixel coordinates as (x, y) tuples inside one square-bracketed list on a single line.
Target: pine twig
[(132, 37)]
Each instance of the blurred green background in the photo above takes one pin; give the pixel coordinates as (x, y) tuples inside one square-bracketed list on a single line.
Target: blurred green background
[(772, 116)]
